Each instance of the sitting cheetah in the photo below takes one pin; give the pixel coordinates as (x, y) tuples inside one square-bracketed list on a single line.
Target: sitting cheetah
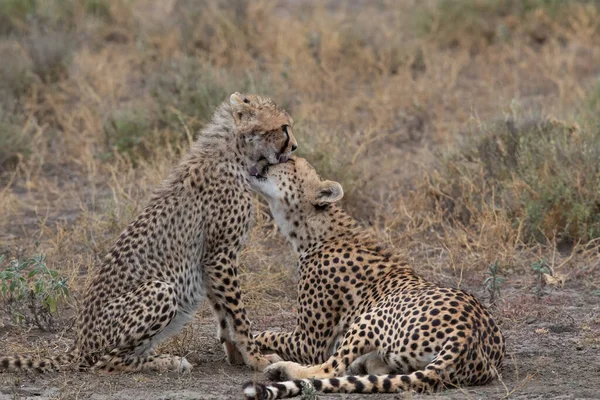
[(181, 249), (408, 333)]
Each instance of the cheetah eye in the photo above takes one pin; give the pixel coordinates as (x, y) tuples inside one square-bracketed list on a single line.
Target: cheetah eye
[(285, 128)]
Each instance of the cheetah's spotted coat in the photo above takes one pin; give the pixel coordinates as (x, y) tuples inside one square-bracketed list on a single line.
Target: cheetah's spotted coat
[(363, 311), (180, 250)]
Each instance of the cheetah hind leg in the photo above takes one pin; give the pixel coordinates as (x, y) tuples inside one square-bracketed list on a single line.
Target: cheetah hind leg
[(369, 364), (138, 321)]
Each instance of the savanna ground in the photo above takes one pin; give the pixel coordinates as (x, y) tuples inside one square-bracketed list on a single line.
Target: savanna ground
[(465, 133)]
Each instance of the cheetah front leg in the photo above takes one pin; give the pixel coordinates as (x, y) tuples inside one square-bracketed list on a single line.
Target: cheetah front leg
[(352, 347), (224, 292), (280, 343), (233, 355), (291, 346)]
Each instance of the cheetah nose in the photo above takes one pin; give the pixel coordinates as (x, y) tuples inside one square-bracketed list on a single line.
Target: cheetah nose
[(294, 147)]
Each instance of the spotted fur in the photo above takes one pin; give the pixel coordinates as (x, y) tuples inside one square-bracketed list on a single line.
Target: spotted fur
[(362, 311), (183, 248)]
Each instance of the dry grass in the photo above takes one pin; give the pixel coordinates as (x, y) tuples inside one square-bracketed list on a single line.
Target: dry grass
[(404, 102)]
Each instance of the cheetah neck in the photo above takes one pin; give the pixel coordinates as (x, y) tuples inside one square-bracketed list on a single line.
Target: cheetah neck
[(306, 234)]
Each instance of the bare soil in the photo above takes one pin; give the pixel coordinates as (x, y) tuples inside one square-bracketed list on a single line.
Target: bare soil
[(553, 352), (377, 103)]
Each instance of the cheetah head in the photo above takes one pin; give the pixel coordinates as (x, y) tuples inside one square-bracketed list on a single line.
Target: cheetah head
[(297, 196), (265, 130)]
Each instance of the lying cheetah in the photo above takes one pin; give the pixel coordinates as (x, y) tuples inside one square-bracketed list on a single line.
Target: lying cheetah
[(182, 249), (406, 332)]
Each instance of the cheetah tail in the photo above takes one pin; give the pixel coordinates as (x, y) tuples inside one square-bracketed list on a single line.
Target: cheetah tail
[(426, 380), (27, 363), (430, 379)]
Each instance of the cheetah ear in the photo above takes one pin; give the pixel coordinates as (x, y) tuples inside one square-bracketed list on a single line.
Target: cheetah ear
[(241, 108), (329, 192)]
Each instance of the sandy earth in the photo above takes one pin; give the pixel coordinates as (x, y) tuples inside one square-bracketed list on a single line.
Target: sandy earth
[(553, 344), (552, 354)]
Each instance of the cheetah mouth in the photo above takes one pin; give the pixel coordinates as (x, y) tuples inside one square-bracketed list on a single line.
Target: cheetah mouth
[(260, 170)]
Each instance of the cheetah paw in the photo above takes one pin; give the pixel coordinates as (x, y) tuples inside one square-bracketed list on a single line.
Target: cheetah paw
[(182, 365), (261, 363), (273, 358), (281, 371)]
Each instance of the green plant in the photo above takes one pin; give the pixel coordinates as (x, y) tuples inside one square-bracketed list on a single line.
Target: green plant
[(14, 13), (14, 144), (539, 269), (188, 91), (98, 8), (50, 51), (493, 282), (541, 175), (31, 292), (309, 392), (16, 75), (128, 133), (593, 100), (455, 21)]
